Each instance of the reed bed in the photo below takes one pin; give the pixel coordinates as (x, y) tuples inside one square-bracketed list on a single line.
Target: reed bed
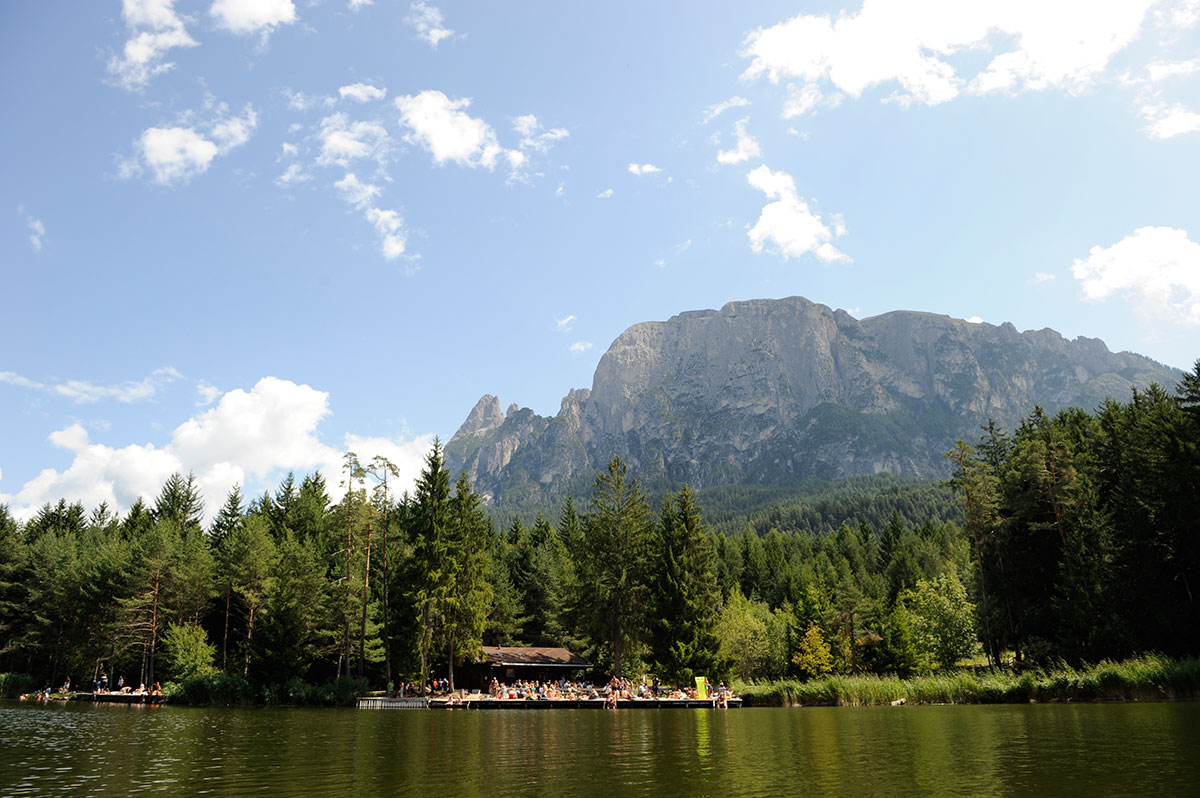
[(1147, 678)]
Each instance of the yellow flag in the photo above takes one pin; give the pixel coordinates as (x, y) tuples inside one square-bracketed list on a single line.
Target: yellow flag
[(701, 693)]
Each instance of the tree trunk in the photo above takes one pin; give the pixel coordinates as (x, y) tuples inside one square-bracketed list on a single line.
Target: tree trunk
[(225, 639), (362, 628)]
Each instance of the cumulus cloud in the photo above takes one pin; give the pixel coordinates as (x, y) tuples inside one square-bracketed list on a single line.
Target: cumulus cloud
[(156, 29), (444, 128), (580, 347), (747, 147), (247, 438), (343, 141), (1031, 47), (605, 194), (564, 324), (643, 169), (37, 230), (244, 17), (178, 153), (715, 110), (1156, 269), (789, 223), (1168, 120), (292, 175), (428, 22), (362, 92)]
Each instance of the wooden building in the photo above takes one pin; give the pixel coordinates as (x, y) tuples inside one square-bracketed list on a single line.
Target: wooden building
[(509, 664)]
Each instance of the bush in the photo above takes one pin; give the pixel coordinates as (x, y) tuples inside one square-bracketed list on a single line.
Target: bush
[(212, 689), (13, 685)]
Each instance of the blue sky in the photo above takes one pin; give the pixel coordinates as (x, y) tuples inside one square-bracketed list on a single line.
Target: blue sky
[(244, 236)]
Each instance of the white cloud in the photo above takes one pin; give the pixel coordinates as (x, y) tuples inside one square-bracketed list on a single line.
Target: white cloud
[(801, 99), (428, 22), (643, 169), (299, 101), (1043, 277), (37, 230), (343, 141), (788, 222), (1033, 45), (1157, 269), (249, 437), (355, 192), (1166, 121), (174, 154), (581, 346), (207, 394), (12, 378), (1159, 71), (974, 320), (355, 5), (564, 324), (244, 17), (387, 223), (293, 175), (443, 127), (747, 146), (85, 392), (156, 30), (605, 194), (362, 92), (232, 132), (534, 137), (713, 111)]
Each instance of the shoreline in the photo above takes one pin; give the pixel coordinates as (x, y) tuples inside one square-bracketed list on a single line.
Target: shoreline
[(1148, 678)]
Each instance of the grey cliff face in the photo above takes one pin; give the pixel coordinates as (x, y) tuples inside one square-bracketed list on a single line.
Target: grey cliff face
[(767, 391)]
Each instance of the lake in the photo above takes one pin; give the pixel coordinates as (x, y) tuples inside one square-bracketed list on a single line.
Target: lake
[(1053, 749)]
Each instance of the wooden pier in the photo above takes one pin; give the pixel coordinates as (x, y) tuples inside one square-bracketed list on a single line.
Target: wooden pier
[(478, 702), (125, 698), (383, 702)]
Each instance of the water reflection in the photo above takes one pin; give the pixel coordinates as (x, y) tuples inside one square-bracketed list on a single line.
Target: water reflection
[(1006, 750)]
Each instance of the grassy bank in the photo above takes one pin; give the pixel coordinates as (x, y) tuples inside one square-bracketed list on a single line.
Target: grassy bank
[(1149, 678)]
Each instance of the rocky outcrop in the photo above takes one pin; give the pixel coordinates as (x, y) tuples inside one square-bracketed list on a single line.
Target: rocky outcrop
[(767, 391)]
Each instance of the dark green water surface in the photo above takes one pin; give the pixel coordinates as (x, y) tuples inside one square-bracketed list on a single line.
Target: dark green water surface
[(1078, 749)]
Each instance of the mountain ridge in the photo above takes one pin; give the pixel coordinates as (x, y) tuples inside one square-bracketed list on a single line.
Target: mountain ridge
[(768, 391)]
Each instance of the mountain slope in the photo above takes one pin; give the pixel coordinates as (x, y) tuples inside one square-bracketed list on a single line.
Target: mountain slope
[(773, 391)]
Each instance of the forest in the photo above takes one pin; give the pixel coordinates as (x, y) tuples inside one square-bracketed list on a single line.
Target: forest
[(1074, 541)]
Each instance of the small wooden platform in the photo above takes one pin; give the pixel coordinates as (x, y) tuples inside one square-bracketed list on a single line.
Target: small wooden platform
[(383, 702), (127, 698), (598, 703)]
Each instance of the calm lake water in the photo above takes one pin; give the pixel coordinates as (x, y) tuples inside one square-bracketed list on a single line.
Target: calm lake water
[(1085, 749)]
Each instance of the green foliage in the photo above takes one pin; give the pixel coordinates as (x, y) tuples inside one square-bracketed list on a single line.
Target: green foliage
[(13, 685), (187, 652), (813, 657), (943, 620)]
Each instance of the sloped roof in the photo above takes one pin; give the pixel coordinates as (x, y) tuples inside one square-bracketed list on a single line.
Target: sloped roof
[(527, 655)]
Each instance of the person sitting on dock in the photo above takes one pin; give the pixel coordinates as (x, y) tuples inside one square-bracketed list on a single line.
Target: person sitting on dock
[(611, 701)]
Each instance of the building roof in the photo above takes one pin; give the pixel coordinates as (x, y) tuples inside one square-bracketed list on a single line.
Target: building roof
[(531, 656)]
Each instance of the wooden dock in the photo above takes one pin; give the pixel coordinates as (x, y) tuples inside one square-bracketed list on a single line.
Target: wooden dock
[(125, 698), (477, 702), (383, 702)]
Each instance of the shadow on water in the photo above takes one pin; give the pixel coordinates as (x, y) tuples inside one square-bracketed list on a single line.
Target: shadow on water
[(1095, 749)]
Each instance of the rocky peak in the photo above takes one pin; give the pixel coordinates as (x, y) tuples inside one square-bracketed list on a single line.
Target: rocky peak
[(484, 416)]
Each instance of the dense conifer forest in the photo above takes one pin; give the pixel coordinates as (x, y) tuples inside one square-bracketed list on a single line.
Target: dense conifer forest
[(1072, 539)]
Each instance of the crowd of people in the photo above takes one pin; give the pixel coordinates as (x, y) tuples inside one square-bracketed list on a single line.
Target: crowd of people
[(617, 689)]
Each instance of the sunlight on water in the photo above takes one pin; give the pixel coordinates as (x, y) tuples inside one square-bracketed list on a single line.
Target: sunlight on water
[(123, 750)]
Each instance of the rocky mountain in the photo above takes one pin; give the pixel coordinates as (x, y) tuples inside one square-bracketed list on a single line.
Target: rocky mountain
[(774, 391)]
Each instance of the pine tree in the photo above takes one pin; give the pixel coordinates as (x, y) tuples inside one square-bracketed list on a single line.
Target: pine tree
[(685, 595), (615, 569)]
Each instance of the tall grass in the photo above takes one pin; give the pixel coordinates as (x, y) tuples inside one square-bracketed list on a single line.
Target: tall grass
[(1147, 678)]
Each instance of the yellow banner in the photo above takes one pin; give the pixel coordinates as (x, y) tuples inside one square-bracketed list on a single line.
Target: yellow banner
[(701, 692)]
